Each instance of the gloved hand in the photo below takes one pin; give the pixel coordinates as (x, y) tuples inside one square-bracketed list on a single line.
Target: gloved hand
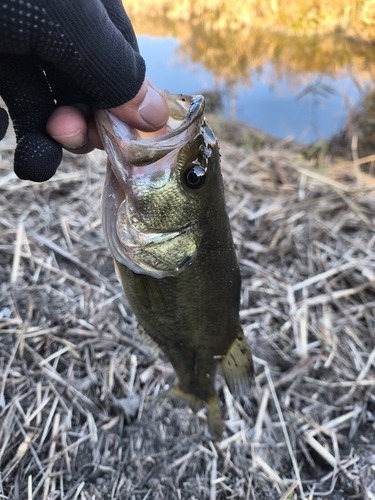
[(63, 52)]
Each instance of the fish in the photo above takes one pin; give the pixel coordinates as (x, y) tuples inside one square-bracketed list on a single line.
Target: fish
[(165, 222)]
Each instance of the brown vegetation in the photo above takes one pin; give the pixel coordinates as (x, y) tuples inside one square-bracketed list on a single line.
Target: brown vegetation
[(300, 17), (295, 43), (82, 414)]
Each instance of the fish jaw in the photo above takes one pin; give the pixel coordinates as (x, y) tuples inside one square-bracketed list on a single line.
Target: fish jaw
[(116, 137), (135, 166), (127, 147)]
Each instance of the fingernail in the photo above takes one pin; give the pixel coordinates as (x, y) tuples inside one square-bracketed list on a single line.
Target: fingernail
[(73, 141), (154, 109)]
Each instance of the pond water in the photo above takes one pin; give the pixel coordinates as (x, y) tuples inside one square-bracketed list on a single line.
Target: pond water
[(305, 92)]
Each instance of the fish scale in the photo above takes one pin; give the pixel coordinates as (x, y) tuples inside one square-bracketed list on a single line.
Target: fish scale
[(175, 257)]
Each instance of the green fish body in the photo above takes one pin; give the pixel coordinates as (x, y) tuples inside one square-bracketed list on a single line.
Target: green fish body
[(166, 224)]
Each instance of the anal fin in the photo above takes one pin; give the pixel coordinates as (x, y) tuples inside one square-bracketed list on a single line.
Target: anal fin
[(237, 367)]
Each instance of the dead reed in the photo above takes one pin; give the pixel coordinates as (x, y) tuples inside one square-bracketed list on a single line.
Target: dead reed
[(81, 410)]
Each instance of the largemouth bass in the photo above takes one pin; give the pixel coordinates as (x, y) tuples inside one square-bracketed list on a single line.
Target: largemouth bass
[(166, 224)]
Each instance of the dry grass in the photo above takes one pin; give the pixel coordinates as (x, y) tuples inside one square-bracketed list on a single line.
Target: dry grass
[(81, 410)]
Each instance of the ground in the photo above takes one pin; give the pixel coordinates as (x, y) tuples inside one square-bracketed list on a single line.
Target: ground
[(82, 410)]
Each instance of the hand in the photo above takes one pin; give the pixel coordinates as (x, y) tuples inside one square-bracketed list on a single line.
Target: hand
[(75, 129), (58, 61)]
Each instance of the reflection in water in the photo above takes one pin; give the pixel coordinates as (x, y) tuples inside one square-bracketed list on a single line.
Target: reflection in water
[(355, 18), (284, 85)]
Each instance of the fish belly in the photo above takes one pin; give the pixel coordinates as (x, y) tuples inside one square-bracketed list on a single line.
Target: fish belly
[(194, 320)]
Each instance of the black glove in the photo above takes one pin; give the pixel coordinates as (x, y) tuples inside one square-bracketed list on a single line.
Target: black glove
[(60, 52)]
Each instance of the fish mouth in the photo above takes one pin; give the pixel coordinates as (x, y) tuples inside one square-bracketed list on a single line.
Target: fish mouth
[(133, 243), (127, 147)]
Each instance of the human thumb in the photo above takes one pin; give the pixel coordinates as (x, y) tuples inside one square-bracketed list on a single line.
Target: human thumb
[(147, 111)]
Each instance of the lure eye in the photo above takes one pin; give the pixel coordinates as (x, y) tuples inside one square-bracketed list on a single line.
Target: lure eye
[(194, 177)]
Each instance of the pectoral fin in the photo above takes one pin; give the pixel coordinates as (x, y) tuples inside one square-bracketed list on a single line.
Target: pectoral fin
[(237, 367)]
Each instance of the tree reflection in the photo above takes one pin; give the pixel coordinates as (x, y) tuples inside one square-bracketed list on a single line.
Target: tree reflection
[(236, 49), (233, 54)]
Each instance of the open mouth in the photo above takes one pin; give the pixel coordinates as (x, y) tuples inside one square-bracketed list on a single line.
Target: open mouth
[(134, 157), (127, 147)]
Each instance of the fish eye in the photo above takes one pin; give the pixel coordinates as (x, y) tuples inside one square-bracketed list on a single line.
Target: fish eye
[(194, 177)]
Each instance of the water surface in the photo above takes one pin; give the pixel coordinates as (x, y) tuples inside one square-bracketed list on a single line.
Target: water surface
[(285, 87)]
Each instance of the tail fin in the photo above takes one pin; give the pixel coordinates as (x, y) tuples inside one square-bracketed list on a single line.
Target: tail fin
[(237, 367), (214, 420)]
